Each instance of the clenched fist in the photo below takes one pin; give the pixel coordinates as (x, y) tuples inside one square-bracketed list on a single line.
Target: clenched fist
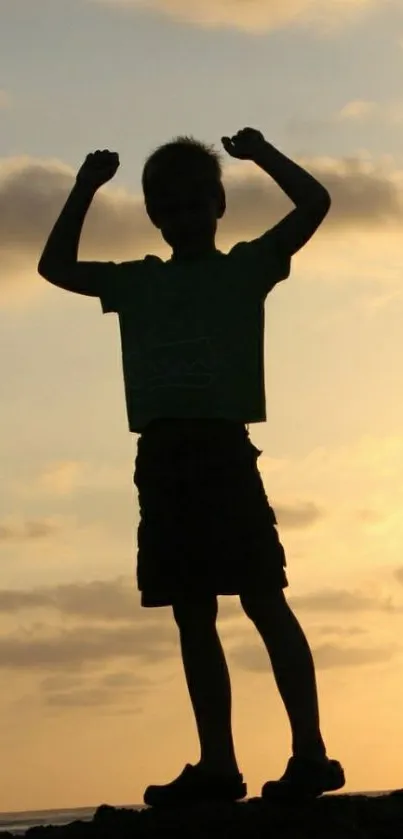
[(98, 168), (246, 144)]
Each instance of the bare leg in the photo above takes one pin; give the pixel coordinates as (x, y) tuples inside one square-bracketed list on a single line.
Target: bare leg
[(293, 669), (208, 683)]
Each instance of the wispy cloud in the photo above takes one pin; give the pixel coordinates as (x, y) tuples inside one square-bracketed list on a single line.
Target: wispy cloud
[(111, 689), (330, 600), (326, 656), (103, 600), (361, 113), (255, 16), (340, 631), (372, 462), (46, 648), (357, 109), (29, 530), (295, 516), (369, 516), (82, 697), (67, 477), (60, 478), (361, 110)]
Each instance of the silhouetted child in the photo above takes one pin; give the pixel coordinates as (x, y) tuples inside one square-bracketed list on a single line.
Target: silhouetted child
[(192, 346)]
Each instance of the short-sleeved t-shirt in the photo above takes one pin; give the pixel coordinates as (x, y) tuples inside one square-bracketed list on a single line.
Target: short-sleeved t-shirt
[(192, 332)]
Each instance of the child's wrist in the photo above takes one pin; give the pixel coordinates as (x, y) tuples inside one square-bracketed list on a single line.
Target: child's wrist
[(263, 153), (84, 187)]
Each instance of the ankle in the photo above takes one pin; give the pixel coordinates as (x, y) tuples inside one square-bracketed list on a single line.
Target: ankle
[(223, 769), (310, 751)]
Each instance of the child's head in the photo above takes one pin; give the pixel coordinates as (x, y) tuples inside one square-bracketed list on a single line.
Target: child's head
[(183, 191)]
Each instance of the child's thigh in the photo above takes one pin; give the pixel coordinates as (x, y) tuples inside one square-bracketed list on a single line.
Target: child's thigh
[(194, 609)]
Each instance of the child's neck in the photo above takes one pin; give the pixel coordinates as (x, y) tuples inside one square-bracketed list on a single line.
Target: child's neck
[(193, 251)]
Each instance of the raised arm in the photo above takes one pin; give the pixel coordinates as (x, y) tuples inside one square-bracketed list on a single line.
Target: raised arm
[(59, 261), (312, 201)]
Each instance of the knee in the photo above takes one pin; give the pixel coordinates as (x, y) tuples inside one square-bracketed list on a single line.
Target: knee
[(264, 608), (195, 613)]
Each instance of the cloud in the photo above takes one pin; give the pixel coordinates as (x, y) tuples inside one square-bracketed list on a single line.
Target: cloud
[(84, 697), (297, 516), (372, 463), (31, 196), (60, 478), (359, 485), (29, 530), (360, 109), (369, 516), (109, 689), (347, 631), (255, 16), (67, 477), (93, 690), (60, 682), (356, 110), (82, 647), (93, 623), (101, 621), (109, 600), (253, 657), (363, 113), (329, 600), (113, 601), (124, 680), (327, 656), (399, 575), (366, 195)]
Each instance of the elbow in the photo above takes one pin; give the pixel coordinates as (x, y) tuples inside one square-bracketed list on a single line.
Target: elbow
[(45, 268), (324, 200), (49, 271), (42, 270), (58, 275), (320, 203)]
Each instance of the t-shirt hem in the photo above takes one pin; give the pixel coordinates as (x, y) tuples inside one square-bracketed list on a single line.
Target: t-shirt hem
[(139, 428)]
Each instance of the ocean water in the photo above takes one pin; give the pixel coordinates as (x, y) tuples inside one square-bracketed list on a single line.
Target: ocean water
[(18, 823)]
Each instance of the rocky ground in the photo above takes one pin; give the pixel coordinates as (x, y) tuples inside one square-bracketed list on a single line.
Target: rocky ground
[(330, 817)]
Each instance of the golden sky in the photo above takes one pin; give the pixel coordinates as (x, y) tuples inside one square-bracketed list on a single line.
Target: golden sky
[(94, 705)]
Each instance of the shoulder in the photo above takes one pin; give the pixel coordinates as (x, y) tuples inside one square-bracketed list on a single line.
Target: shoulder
[(246, 252), (147, 263), (260, 263), (122, 283), (139, 270)]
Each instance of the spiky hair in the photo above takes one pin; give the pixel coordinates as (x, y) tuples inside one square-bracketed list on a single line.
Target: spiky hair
[(182, 152)]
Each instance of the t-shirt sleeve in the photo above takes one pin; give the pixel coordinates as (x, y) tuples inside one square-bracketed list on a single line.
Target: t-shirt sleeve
[(116, 282), (262, 262)]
